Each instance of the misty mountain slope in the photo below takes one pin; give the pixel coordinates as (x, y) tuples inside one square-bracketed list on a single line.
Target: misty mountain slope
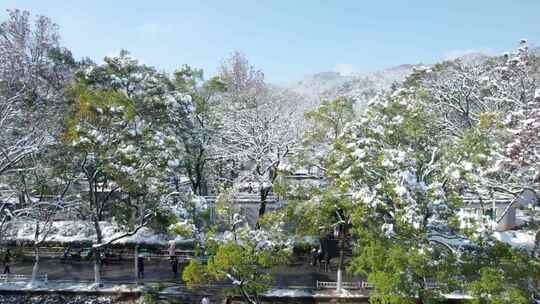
[(359, 87), (362, 87)]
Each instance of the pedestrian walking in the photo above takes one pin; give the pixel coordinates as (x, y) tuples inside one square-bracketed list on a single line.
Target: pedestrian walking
[(140, 266), (174, 266), (65, 254), (7, 261), (172, 249), (314, 256), (172, 257)]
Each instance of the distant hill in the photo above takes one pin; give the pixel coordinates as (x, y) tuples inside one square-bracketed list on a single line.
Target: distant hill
[(359, 87), (362, 87)]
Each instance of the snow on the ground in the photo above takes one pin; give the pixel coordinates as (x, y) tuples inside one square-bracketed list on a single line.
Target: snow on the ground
[(64, 286), (527, 216), (315, 293), (325, 293), (278, 292), (516, 238), (83, 231), (288, 293), (457, 296)]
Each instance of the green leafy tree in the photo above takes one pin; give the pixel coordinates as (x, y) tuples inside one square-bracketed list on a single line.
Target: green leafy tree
[(390, 164), (239, 264), (199, 127), (498, 273), (327, 208), (241, 254), (121, 139), (324, 126)]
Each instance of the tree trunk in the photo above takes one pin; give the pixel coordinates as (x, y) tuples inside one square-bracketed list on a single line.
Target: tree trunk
[(339, 285), (2, 223), (97, 254), (135, 255), (198, 181), (421, 292), (204, 187), (97, 267), (262, 206), (35, 269), (246, 296)]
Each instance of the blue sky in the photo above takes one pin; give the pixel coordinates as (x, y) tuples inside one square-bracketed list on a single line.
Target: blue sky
[(289, 39)]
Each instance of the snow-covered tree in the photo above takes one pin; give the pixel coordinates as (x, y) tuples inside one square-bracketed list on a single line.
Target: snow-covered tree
[(35, 67), (463, 96), (522, 149), (459, 92), (123, 142), (326, 210), (417, 154), (401, 201), (33, 71), (199, 126), (487, 108), (46, 193), (259, 128), (324, 126), (16, 144)]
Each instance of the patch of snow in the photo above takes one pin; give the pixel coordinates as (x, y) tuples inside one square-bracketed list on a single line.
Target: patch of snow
[(82, 231), (457, 296), (288, 293), (69, 286), (516, 238)]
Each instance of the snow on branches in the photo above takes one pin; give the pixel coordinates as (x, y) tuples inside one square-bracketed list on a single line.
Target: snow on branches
[(391, 164)]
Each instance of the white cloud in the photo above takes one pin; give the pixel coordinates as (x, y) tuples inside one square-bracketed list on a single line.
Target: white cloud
[(345, 69)]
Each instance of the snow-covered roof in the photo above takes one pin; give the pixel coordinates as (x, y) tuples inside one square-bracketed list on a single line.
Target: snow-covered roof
[(82, 231)]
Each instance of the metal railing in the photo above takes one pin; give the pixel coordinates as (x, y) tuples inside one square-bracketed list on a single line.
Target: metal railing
[(345, 285), (187, 258), (366, 285), (245, 198)]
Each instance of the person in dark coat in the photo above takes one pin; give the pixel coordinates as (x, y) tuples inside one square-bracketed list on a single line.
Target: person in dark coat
[(65, 254), (7, 261), (174, 266), (140, 266)]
